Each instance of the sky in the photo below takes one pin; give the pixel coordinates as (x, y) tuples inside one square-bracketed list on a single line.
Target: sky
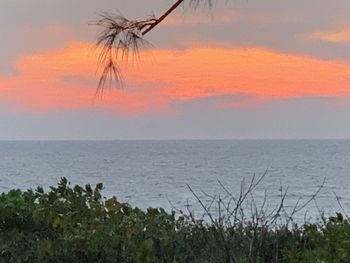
[(247, 69)]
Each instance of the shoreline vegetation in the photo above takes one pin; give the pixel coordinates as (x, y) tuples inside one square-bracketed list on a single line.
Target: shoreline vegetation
[(77, 224)]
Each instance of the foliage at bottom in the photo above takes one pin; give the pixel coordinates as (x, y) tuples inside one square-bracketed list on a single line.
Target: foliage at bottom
[(76, 224)]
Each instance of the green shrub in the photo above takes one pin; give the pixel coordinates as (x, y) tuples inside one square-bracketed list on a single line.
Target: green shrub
[(76, 224)]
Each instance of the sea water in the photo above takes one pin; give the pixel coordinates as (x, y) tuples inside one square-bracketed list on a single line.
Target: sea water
[(158, 173)]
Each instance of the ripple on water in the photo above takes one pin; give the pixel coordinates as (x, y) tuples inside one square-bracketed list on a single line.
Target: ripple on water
[(147, 173)]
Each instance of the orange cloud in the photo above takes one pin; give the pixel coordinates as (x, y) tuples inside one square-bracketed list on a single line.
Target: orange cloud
[(340, 36), (65, 79), (256, 72)]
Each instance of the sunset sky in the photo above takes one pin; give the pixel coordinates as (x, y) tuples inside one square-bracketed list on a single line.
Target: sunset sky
[(248, 69)]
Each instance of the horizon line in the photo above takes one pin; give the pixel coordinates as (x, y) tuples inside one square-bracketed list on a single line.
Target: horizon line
[(173, 139)]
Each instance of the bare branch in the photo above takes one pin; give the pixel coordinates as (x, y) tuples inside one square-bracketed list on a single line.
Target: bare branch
[(160, 19), (341, 206)]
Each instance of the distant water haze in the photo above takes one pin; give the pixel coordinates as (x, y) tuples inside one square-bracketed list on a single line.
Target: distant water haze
[(152, 173)]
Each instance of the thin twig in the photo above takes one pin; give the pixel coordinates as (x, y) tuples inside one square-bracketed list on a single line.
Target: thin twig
[(121, 35)]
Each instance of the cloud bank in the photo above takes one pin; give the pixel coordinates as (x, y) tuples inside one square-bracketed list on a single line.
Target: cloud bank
[(65, 79)]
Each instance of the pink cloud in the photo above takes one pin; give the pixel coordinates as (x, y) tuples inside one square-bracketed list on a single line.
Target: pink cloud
[(338, 36), (65, 79)]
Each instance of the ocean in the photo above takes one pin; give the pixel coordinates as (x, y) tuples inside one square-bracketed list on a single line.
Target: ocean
[(157, 173)]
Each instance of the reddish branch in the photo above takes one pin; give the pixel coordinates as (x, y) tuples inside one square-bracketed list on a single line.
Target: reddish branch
[(160, 19)]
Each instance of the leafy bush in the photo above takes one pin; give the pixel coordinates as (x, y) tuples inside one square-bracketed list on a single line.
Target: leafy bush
[(76, 224)]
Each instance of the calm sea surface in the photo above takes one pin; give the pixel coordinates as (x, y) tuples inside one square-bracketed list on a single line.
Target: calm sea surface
[(152, 173)]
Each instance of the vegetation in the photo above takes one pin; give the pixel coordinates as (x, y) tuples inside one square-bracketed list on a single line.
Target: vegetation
[(120, 36), (76, 224)]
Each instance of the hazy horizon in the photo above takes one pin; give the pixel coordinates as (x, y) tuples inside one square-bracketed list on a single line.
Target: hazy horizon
[(173, 139)]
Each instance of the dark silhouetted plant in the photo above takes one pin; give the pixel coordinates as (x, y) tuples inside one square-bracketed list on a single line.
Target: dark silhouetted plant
[(119, 36)]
